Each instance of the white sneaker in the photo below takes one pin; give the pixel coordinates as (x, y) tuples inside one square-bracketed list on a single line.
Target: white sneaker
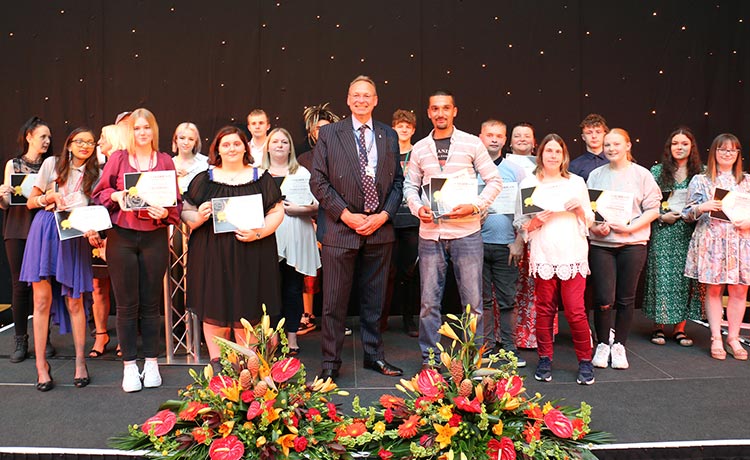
[(151, 376), (131, 379), (619, 360), (601, 357)]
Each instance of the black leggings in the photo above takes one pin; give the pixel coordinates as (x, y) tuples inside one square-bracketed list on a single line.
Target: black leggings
[(137, 262), (21, 299), (614, 275), (292, 285)]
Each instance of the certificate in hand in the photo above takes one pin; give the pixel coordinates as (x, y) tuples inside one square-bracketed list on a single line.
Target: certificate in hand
[(151, 188), (674, 200), (448, 192), (549, 197), (610, 206), (22, 185), (238, 213), (505, 203), (296, 189), (526, 162), (734, 205), (73, 223)]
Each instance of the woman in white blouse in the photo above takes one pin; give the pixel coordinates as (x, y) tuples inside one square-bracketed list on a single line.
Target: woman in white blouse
[(558, 254)]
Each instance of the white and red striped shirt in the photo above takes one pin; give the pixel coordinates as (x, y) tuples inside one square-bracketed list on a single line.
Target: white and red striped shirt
[(466, 152)]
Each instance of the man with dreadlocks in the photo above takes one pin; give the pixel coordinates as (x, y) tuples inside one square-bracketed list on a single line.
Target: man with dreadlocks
[(315, 116)]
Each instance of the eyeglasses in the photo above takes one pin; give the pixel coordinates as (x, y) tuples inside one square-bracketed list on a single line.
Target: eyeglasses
[(728, 151), (82, 143)]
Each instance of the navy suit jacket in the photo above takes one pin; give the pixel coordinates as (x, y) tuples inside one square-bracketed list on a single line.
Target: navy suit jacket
[(336, 182)]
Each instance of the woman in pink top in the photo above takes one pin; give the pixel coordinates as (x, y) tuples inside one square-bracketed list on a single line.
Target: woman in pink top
[(137, 248)]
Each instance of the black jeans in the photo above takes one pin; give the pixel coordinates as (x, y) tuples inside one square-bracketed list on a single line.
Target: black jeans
[(137, 262), (614, 276), (21, 299), (499, 278), (292, 285), (403, 276)]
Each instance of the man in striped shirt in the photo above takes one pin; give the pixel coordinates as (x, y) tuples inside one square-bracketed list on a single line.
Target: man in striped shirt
[(454, 236)]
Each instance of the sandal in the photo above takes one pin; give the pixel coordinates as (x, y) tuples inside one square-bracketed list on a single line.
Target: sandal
[(717, 351), (94, 353), (658, 337), (735, 349), (682, 339)]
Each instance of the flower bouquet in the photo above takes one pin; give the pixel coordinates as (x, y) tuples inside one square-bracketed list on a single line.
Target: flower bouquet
[(260, 406), (478, 410)]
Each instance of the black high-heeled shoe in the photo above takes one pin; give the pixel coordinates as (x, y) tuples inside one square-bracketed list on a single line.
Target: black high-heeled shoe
[(81, 382), (49, 384), (94, 353)]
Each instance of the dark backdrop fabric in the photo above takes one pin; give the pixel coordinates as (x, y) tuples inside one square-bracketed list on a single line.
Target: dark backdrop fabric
[(645, 66)]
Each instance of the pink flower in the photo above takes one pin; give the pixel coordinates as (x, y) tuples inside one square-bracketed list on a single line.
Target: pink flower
[(162, 423), (558, 424), (284, 369), (254, 410), (512, 386), (229, 448), (219, 383), (430, 383), (385, 454), (300, 443), (468, 406)]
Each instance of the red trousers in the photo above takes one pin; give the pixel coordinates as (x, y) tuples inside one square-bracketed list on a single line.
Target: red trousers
[(549, 294)]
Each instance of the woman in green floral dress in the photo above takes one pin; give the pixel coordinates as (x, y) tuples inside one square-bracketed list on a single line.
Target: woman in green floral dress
[(670, 297)]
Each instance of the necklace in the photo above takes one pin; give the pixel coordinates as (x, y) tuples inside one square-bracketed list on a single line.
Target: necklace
[(230, 179), (31, 162)]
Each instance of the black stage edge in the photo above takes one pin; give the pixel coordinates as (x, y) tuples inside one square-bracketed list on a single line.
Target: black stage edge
[(673, 402)]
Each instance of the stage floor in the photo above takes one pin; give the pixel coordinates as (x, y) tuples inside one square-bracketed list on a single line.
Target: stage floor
[(670, 393)]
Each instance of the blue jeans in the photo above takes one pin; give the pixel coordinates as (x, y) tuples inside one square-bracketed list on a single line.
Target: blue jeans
[(466, 254)]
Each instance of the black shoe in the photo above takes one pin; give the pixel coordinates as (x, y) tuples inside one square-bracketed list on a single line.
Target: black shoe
[(49, 384), (332, 374), (383, 367), (22, 349), (81, 382)]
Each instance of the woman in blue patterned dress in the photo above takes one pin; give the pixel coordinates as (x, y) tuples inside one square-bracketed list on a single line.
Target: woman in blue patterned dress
[(670, 297), (719, 252)]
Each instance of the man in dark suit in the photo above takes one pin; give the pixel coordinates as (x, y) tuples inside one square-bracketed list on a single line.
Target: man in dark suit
[(357, 179)]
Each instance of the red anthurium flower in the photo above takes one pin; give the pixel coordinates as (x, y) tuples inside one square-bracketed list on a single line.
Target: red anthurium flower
[(191, 411), (254, 410), (430, 383), (161, 423), (507, 449), (284, 369), (300, 443), (468, 406), (220, 382), (247, 396), (493, 449), (512, 386), (229, 448), (385, 454), (558, 424)]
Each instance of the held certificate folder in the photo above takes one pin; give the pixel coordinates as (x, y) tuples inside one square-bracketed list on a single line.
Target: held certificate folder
[(150, 188), (22, 185), (73, 223), (237, 213), (734, 205), (612, 207)]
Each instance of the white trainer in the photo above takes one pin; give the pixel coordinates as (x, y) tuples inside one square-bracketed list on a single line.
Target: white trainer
[(151, 376), (619, 359), (131, 378), (601, 357)]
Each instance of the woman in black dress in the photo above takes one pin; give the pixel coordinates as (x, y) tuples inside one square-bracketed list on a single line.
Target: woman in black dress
[(231, 275)]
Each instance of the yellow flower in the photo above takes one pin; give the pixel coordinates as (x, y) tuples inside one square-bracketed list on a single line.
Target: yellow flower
[(446, 412), (497, 428), (447, 456), (379, 428), (445, 433), (286, 442), (512, 404), (226, 428), (547, 407), (260, 441), (447, 331)]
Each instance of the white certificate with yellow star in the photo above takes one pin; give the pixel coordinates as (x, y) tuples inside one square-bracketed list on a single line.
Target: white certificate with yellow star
[(610, 206), (550, 196), (447, 192), (150, 188), (238, 213), (22, 185), (73, 223)]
